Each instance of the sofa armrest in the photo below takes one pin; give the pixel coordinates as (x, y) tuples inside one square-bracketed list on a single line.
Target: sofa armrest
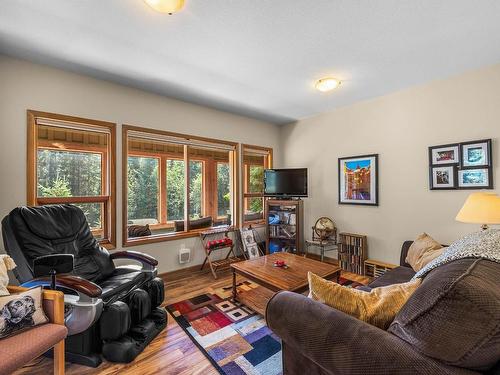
[(341, 344), (404, 252), (148, 262)]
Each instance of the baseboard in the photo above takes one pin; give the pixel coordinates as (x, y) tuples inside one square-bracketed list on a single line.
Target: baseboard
[(181, 272), (186, 271)]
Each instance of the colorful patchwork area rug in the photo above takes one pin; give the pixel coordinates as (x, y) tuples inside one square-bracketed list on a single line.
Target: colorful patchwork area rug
[(234, 338)]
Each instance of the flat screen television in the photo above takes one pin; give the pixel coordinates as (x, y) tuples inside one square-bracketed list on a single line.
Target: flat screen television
[(285, 182)]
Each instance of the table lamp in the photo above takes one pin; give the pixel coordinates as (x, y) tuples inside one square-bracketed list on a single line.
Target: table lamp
[(480, 208)]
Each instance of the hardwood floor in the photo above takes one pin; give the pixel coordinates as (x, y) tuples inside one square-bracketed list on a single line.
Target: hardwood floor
[(172, 351)]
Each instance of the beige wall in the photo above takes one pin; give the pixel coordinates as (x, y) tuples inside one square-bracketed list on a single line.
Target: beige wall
[(24, 85), (399, 127)]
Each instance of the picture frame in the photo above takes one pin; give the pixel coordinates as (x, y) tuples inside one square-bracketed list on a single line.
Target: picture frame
[(443, 177), (472, 170), (444, 154), (249, 244), (358, 180), (475, 178), (476, 153)]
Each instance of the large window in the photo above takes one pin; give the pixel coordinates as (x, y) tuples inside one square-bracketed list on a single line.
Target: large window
[(167, 200), (69, 161), (255, 159)]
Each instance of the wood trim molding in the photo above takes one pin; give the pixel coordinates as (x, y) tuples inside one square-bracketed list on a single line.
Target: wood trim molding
[(245, 175), (209, 205), (109, 179), (178, 135), (182, 272), (71, 119)]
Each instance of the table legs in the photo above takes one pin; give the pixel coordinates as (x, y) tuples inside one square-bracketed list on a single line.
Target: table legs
[(234, 285)]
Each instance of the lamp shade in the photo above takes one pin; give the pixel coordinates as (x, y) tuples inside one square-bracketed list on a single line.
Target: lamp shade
[(481, 208)]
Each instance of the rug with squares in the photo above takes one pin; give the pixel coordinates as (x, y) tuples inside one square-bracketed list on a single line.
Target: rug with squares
[(234, 338)]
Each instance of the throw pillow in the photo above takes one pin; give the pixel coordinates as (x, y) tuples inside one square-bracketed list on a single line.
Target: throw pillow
[(21, 311), (422, 251), (377, 307), (6, 264)]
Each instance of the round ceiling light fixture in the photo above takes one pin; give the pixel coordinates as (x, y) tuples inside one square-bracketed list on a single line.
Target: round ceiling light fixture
[(327, 84), (165, 6)]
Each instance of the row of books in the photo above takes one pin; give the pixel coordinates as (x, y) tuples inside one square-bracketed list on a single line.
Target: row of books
[(350, 258), (357, 250), (281, 231), (350, 267), (351, 240)]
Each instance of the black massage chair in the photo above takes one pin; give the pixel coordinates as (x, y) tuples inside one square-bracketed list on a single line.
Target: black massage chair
[(113, 310)]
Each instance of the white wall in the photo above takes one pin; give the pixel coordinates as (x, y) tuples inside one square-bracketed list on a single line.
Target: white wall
[(24, 85), (399, 127)]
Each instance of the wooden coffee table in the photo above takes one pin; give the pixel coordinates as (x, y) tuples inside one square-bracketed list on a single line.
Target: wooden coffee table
[(294, 278)]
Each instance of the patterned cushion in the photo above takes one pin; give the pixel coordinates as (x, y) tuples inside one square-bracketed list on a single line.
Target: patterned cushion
[(484, 244), (377, 307), (22, 311)]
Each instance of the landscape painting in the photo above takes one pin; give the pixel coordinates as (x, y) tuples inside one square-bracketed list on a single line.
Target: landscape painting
[(358, 180)]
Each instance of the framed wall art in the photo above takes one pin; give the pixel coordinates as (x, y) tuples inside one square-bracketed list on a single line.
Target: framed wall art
[(443, 177), (358, 180), (465, 165), (476, 154), (477, 178), (446, 154)]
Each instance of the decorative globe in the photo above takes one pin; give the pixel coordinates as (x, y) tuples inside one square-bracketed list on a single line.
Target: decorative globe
[(324, 227)]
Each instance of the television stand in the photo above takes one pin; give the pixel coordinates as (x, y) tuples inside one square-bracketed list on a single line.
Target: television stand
[(284, 225)]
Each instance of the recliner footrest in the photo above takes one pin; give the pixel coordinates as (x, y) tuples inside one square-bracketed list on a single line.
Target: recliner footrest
[(129, 346), (139, 303), (156, 291), (115, 321)]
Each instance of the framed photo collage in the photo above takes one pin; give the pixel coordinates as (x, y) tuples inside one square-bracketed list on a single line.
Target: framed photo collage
[(466, 165)]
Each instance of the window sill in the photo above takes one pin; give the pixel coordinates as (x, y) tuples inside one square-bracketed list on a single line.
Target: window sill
[(129, 242), (255, 223)]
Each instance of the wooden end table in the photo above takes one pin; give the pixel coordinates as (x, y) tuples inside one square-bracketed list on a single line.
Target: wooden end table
[(294, 279)]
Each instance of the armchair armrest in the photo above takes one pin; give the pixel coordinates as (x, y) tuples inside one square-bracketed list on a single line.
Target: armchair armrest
[(341, 344), (85, 288), (148, 262)]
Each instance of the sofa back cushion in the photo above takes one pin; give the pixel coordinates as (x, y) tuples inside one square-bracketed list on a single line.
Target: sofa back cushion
[(454, 316)]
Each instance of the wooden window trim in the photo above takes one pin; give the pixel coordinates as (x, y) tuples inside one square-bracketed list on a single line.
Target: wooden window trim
[(209, 177), (245, 168), (109, 199)]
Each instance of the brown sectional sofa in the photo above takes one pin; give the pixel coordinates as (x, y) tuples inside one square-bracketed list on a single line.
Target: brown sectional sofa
[(451, 325)]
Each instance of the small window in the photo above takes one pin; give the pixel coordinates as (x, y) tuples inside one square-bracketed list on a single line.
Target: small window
[(69, 161), (255, 160), (180, 201)]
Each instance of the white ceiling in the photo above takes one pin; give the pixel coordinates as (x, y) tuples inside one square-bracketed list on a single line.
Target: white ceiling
[(258, 58)]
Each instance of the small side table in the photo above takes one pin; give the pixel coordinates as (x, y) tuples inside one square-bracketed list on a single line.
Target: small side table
[(328, 245)]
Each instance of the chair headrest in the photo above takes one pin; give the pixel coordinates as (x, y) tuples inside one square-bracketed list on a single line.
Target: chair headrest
[(53, 222)]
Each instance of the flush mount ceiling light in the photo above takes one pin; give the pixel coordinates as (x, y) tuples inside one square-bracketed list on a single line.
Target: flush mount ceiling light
[(165, 6), (327, 84)]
